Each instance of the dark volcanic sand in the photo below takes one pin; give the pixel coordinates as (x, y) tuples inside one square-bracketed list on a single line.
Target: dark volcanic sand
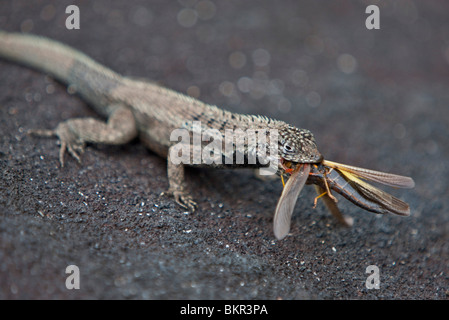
[(373, 98)]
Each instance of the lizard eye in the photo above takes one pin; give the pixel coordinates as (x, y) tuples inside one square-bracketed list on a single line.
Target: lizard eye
[(288, 148)]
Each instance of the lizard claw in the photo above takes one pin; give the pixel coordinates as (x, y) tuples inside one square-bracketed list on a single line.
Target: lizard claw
[(184, 200), (68, 141), (75, 151)]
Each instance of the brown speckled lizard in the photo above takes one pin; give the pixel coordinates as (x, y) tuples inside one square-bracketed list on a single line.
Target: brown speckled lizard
[(135, 108)]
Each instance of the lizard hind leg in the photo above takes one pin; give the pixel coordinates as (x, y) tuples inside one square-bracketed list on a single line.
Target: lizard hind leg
[(74, 133)]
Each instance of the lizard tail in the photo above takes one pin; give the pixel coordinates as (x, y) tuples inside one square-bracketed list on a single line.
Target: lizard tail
[(46, 55)]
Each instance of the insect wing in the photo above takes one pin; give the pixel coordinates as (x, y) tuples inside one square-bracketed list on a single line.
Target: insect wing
[(388, 179), (287, 201), (385, 200)]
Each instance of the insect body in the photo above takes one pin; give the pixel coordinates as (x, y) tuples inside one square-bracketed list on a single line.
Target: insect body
[(345, 180)]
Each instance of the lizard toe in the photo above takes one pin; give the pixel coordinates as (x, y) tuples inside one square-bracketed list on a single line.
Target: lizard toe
[(69, 142), (184, 200), (191, 205), (41, 132)]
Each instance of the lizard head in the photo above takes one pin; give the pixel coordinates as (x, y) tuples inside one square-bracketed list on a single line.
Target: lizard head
[(298, 146)]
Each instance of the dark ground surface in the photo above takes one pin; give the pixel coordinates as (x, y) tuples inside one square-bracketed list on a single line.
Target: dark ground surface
[(377, 99)]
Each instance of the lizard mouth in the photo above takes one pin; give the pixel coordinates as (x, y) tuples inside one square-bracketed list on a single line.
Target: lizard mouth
[(288, 166)]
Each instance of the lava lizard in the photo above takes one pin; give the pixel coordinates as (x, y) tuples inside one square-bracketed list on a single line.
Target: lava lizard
[(136, 108)]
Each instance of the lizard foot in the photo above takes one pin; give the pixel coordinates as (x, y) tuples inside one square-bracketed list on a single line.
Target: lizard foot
[(68, 141), (184, 200)]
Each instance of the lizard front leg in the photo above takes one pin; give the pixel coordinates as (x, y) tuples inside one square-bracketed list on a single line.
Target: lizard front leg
[(74, 133), (176, 183)]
